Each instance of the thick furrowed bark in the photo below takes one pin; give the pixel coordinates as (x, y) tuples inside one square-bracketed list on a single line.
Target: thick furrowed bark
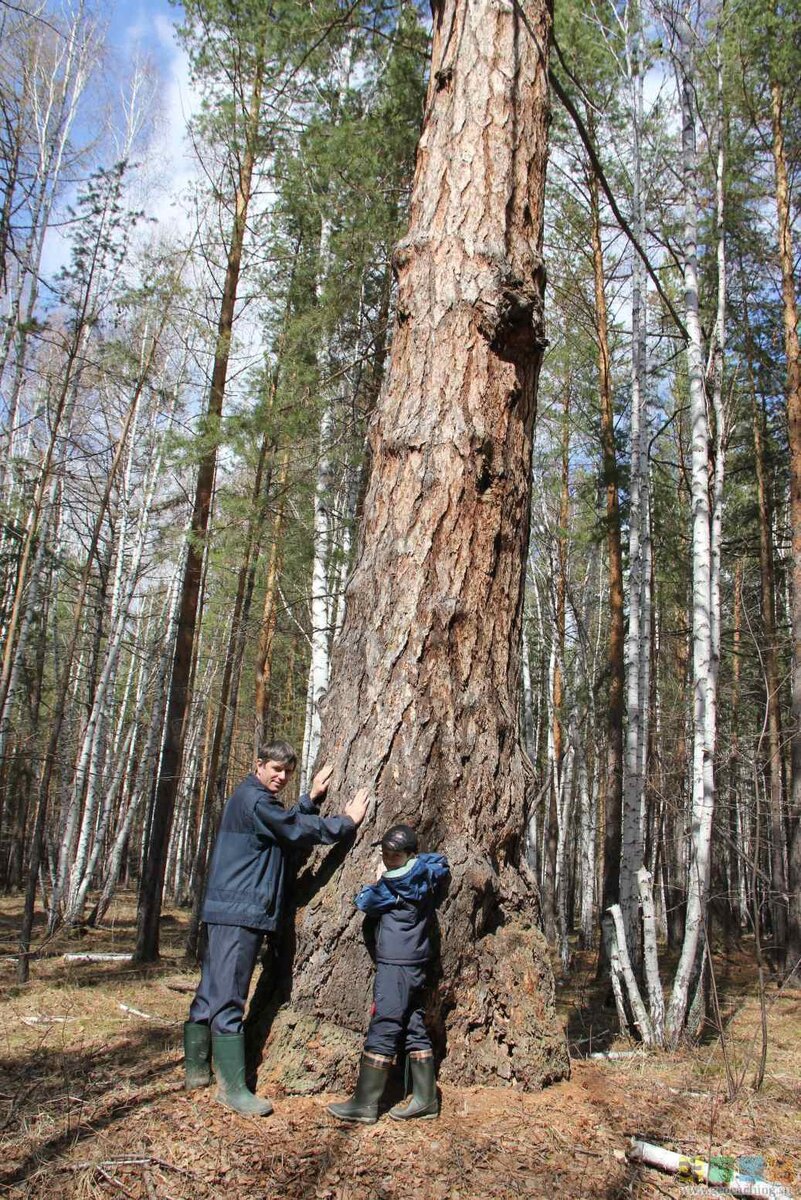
[(423, 702)]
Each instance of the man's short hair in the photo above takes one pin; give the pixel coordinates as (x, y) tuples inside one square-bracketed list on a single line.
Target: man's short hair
[(278, 752), (400, 839)]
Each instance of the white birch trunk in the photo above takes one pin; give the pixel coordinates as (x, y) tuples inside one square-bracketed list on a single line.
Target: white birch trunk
[(703, 731), (565, 815), (320, 608), (528, 701), (123, 762), (73, 856), (588, 853), (142, 779), (615, 970), (641, 1018), (656, 1001)]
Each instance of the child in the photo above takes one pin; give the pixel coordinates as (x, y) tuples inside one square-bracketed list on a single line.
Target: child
[(398, 907)]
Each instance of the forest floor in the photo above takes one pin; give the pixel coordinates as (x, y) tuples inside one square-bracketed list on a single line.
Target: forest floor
[(91, 1102)]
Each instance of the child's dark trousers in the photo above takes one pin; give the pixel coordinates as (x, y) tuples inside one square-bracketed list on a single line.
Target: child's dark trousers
[(398, 1010)]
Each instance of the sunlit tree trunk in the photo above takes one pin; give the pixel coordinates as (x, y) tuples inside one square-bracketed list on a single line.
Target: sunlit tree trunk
[(793, 393), (423, 700), (264, 655), (704, 620)]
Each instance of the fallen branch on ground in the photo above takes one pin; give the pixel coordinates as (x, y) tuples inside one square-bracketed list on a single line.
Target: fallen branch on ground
[(137, 1012), (97, 957), (46, 1020)]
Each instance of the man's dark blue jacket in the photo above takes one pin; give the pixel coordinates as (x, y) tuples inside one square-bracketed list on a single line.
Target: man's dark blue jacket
[(246, 876), (402, 905)]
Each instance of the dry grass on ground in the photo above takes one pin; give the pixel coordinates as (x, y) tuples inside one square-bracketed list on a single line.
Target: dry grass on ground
[(91, 1103)]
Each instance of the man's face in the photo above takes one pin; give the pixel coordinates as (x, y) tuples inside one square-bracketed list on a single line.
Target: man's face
[(273, 775)]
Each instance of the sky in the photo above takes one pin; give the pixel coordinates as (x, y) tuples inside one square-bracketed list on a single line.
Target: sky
[(145, 30), (148, 24)]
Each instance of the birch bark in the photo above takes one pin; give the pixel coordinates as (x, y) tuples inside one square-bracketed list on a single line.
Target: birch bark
[(703, 783)]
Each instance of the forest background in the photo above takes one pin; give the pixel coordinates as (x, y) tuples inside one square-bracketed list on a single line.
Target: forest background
[(194, 338)]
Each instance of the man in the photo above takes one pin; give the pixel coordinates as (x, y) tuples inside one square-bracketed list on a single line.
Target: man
[(243, 901)]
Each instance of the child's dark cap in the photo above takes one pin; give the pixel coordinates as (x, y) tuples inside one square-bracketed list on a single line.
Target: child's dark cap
[(400, 839)]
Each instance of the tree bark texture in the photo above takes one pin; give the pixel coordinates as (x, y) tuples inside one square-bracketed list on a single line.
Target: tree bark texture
[(703, 618), (616, 641), (423, 700), (793, 357), (637, 648), (770, 667)]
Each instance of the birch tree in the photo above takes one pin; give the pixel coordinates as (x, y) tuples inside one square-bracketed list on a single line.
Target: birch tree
[(705, 539)]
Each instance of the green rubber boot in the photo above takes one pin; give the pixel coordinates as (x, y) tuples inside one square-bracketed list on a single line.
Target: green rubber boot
[(228, 1054), (362, 1107), (197, 1055), (424, 1101)]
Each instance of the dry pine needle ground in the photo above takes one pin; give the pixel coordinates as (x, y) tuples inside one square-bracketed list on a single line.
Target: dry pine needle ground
[(91, 1103)]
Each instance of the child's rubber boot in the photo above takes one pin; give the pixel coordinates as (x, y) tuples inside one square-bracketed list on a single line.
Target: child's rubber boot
[(424, 1101), (197, 1055), (228, 1054), (362, 1107)]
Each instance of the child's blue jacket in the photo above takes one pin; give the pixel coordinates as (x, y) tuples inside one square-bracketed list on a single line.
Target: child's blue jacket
[(402, 907)]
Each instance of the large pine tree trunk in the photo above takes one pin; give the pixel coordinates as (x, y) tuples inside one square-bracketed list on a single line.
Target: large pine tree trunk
[(423, 701)]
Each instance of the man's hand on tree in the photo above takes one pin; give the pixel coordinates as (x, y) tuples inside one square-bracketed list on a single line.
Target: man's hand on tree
[(321, 781), (357, 807)]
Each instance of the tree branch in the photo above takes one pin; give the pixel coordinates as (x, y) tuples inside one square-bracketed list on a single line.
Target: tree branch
[(581, 129)]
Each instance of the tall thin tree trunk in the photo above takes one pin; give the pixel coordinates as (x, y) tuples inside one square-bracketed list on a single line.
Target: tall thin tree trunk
[(770, 664), (613, 783), (264, 655), (638, 637), (217, 772), (703, 781), (793, 364), (152, 884)]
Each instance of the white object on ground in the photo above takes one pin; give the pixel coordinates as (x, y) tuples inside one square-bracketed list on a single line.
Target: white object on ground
[(98, 957), (698, 1169)]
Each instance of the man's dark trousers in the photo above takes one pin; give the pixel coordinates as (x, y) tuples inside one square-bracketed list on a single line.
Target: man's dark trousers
[(223, 992)]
